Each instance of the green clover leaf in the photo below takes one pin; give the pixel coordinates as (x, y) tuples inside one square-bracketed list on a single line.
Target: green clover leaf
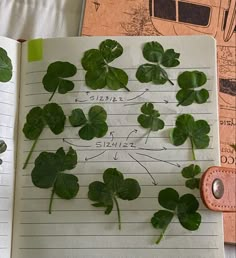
[(3, 148), (49, 170), (36, 120), (188, 81), (99, 73), (114, 186), (155, 73), (185, 207), (196, 131), (190, 172), (94, 126), (5, 66), (149, 119), (55, 78)]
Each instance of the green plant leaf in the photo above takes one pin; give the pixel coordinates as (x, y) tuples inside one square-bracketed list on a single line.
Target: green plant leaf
[(161, 220), (185, 207), (150, 118), (36, 120), (193, 183), (54, 80), (48, 172), (3, 146), (196, 131), (191, 171), (110, 50), (99, 73), (77, 118), (114, 186), (155, 53), (94, 126), (168, 198), (5, 66), (188, 81)]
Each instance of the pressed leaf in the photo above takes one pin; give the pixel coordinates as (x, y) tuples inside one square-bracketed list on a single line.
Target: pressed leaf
[(114, 186), (155, 53), (54, 80), (48, 172), (168, 198), (196, 131), (190, 221), (191, 171), (193, 183), (187, 204), (188, 82), (99, 73), (77, 117), (5, 66)]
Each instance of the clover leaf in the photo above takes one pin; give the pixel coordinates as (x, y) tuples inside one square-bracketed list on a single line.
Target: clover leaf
[(5, 66), (99, 73), (155, 73), (48, 172), (94, 126), (149, 118), (191, 172), (55, 78), (105, 194), (184, 207), (188, 81), (196, 131), (36, 120), (3, 148)]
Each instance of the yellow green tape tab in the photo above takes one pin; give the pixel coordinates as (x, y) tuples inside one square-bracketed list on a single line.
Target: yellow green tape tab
[(35, 50)]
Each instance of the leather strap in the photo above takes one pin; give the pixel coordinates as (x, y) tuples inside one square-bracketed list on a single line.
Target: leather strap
[(211, 188)]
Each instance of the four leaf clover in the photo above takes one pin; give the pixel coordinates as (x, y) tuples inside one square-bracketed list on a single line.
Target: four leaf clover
[(196, 131), (190, 172), (99, 73), (5, 66), (36, 120), (149, 118), (155, 73), (49, 170), (114, 186), (94, 126), (188, 81), (184, 207), (55, 78)]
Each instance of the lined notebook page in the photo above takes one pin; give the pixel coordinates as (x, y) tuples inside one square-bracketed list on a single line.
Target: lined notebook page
[(77, 229), (8, 119)]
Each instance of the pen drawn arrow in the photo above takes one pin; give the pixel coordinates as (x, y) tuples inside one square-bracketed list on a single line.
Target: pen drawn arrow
[(116, 157), (162, 149), (165, 161), (153, 179), (134, 131), (72, 144), (166, 101), (86, 159), (138, 95)]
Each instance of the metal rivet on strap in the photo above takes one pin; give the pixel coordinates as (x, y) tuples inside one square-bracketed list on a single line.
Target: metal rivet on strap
[(218, 188)]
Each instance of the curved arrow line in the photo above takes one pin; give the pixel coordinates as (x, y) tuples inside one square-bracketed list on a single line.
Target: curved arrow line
[(64, 140), (176, 165), (138, 95), (81, 101), (153, 179), (134, 131), (95, 156), (164, 148)]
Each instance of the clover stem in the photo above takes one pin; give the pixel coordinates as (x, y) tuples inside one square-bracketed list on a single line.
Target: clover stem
[(51, 200), (148, 136), (30, 153), (53, 94), (192, 145), (118, 211), (127, 88), (170, 81), (160, 237)]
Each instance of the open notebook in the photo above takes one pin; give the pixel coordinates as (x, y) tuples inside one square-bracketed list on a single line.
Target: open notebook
[(76, 228)]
